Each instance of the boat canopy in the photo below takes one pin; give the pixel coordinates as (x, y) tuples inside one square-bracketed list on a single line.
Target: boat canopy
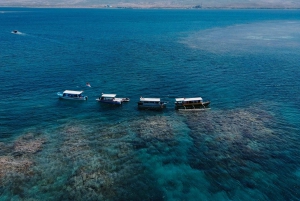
[(108, 95), (189, 99), (150, 99), (72, 92)]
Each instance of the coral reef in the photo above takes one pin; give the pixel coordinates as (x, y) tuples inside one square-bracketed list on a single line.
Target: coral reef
[(9, 164), (28, 144), (17, 157), (239, 149), (233, 154), (156, 127)]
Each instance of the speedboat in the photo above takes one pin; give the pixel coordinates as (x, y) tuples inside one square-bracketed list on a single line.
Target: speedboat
[(72, 95), (151, 103), (125, 99), (15, 32), (190, 103), (110, 99)]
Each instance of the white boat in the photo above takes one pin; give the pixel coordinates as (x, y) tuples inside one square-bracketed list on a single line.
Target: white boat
[(72, 95), (151, 103), (125, 99), (191, 103), (110, 99), (16, 32)]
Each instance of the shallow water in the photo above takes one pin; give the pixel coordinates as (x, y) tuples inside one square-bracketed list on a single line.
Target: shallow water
[(245, 147)]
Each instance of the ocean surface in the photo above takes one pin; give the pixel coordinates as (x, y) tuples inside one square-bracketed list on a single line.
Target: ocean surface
[(244, 147)]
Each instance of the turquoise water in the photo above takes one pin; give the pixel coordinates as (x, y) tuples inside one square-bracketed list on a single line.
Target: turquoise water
[(245, 147)]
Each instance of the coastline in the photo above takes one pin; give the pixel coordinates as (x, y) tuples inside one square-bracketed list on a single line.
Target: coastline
[(175, 7)]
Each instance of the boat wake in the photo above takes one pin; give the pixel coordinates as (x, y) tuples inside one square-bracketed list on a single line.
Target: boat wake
[(36, 37)]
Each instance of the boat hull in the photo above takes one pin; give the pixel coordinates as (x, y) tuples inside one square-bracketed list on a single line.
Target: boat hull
[(187, 106), (110, 102), (125, 99), (151, 106)]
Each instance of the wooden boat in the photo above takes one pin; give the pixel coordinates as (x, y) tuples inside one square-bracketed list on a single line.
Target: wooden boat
[(72, 95), (110, 99), (190, 103), (151, 103)]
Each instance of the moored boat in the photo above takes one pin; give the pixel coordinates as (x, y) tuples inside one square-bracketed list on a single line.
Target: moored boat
[(110, 99), (190, 103), (72, 95), (125, 99), (151, 103)]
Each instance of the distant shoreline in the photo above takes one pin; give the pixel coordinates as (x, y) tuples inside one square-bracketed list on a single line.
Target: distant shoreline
[(161, 6), (151, 7)]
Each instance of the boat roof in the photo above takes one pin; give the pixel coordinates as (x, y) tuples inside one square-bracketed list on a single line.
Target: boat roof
[(72, 92), (189, 99), (150, 99), (108, 95)]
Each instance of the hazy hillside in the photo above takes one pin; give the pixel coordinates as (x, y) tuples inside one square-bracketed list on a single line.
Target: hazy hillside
[(155, 3)]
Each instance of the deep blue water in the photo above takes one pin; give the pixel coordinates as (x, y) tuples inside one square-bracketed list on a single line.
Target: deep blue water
[(245, 147)]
